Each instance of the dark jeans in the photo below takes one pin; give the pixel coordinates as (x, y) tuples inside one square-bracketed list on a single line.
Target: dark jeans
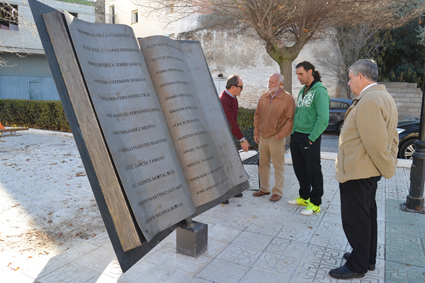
[(359, 213), (306, 162)]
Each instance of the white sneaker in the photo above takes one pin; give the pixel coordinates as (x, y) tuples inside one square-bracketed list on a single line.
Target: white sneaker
[(299, 201), (311, 209)]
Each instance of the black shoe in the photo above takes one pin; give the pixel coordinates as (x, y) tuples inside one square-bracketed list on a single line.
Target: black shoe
[(239, 195), (371, 267), (226, 202), (344, 273)]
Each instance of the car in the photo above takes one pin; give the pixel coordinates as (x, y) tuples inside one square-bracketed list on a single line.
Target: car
[(408, 133), (337, 109)]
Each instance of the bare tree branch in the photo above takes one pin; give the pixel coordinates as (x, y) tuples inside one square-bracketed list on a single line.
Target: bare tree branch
[(286, 26), (360, 41), (11, 20)]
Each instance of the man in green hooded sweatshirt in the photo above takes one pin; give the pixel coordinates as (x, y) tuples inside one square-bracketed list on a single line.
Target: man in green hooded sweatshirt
[(310, 121)]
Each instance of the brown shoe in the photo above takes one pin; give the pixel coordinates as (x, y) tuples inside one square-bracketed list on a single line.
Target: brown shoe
[(275, 197), (260, 193)]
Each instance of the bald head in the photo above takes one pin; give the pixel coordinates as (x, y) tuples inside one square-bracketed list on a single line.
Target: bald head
[(275, 82)]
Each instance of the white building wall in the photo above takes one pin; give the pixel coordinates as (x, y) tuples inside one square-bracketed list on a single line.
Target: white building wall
[(30, 78), (245, 55), (26, 39), (147, 25), (228, 54)]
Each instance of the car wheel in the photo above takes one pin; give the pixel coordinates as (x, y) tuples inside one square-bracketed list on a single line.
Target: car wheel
[(407, 149), (339, 127)]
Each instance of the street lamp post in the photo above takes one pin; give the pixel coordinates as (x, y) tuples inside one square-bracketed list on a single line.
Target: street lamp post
[(415, 199)]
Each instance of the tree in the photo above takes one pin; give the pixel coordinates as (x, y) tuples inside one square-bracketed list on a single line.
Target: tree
[(404, 58), (354, 42), (421, 35), (286, 26)]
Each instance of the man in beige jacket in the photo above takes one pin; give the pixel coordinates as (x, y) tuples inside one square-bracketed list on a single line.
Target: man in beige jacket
[(273, 121), (367, 150)]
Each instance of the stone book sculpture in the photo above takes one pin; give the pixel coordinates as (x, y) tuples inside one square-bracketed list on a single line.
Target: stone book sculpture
[(148, 124)]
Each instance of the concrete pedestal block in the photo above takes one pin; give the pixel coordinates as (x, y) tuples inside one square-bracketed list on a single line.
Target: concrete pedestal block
[(192, 240)]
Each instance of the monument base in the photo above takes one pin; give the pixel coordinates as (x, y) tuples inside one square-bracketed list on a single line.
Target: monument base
[(192, 240)]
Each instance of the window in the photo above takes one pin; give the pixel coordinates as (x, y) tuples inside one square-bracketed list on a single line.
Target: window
[(134, 17), (334, 105), (9, 16), (112, 14), (345, 105)]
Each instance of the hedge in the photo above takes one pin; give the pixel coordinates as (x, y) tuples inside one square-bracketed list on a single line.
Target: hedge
[(38, 114), (49, 115), (246, 118)]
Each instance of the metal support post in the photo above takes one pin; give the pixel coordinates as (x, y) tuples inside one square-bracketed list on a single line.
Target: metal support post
[(415, 199)]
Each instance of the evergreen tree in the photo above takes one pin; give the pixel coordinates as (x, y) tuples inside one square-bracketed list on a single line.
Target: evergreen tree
[(404, 58)]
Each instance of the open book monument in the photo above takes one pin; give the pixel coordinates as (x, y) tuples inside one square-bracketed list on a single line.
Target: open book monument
[(149, 126)]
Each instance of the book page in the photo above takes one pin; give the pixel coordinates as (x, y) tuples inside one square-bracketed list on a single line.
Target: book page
[(210, 105), (209, 171), (133, 124)]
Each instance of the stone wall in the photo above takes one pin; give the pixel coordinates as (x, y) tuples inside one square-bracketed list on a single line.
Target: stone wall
[(244, 54), (408, 99)]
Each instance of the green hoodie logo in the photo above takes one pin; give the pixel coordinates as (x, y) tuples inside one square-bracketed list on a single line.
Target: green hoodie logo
[(308, 99)]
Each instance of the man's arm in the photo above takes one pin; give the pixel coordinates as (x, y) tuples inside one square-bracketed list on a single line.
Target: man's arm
[(256, 123), (287, 119), (374, 136), (245, 145), (232, 119), (322, 107)]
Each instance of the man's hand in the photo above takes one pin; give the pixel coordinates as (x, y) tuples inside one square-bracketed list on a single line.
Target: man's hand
[(257, 139), (245, 145)]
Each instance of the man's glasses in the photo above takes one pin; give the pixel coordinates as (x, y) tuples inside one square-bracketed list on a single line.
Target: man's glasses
[(241, 86)]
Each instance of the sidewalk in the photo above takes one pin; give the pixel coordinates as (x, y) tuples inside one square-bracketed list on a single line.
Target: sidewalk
[(254, 240)]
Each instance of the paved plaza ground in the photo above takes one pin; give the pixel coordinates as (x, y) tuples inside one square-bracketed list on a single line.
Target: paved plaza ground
[(249, 240)]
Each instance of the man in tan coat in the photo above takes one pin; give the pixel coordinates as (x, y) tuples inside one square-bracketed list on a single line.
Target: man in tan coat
[(367, 150), (273, 121)]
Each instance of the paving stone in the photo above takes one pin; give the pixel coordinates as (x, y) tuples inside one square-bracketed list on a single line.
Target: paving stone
[(223, 271), (284, 265), (278, 245), (254, 240), (395, 272), (260, 276), (240, 255), (415, 274), (249, 239), (73, 272)]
